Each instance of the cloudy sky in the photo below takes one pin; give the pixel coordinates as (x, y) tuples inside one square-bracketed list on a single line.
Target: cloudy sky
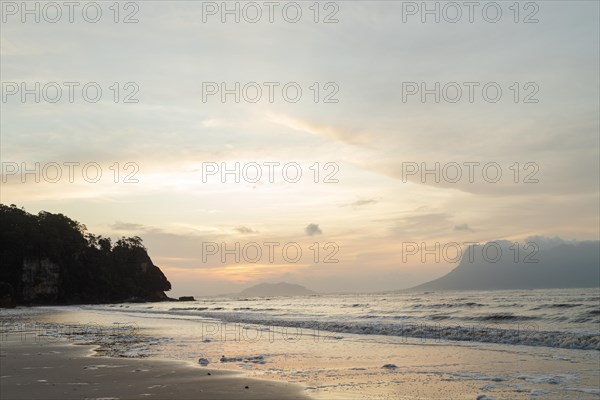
[(369, 134)]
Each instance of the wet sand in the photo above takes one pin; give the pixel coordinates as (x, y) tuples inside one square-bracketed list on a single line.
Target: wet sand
[(66, 371), (38, 361)]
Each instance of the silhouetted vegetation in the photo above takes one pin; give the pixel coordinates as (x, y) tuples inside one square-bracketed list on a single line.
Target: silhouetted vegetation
[(51, 259)]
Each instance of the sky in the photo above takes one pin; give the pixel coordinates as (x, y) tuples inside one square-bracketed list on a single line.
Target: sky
[(366, 120)]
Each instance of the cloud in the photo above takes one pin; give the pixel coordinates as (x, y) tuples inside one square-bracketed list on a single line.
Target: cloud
[(361, 202), (462, 227), (313, 229), (128, 226), (341, 134), (245, 230), (545, 243), (420, 226)]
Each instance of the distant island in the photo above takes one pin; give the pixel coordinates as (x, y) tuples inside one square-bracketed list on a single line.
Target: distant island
[(51, 259), (562, 265), (280, 289)]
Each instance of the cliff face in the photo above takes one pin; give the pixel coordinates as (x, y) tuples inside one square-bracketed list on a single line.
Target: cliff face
[(51, 259), (40, 281)]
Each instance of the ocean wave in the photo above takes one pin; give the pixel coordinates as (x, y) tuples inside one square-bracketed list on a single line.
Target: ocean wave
[(501, 317), (189, 309), (527, 335), (563, 319), (440, 317), (561, 305), (447, 305)]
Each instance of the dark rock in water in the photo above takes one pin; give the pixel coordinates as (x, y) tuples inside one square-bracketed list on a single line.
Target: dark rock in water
[(51, 259), (203, 361), (187, 298)]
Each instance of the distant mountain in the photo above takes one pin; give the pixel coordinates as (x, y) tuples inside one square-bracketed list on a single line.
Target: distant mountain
[(562, 265), (51, 259), (275, 290)]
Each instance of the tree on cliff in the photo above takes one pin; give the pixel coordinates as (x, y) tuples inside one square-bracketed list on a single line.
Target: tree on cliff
[(50, 258)]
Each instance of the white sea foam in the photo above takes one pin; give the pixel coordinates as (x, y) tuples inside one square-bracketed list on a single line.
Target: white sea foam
[(550, 318)]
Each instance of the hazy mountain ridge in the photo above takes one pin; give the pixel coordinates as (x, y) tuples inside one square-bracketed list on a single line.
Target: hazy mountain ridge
[(280, 289), (561, 265)]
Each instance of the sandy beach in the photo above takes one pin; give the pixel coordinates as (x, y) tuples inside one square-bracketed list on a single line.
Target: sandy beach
[(62, 370), (118, 352)]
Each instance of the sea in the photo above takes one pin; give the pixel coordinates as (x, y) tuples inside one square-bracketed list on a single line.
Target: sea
[(417, 345)]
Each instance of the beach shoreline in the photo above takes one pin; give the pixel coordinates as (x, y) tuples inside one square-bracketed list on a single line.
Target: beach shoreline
[(170, 352), (62, 370)]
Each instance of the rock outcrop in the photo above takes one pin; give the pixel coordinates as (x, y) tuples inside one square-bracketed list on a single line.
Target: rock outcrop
[(51, 259)]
